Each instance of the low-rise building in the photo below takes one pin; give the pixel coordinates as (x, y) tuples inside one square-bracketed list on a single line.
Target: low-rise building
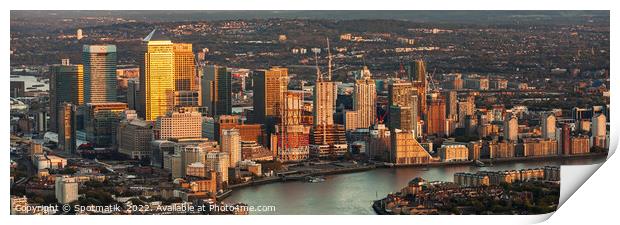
[(533, 147), (449, 153), (49, 162), (579, 145)]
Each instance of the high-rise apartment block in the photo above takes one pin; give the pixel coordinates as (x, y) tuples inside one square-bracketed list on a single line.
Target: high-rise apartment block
[(324, 102), (436, 115), (231, 144), (364, 102)]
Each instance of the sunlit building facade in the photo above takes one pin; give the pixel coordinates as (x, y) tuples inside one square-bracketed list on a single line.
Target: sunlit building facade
[(324, 102), (269, 88), (157, 77), (364, 102), (184, 67), (406, 150)]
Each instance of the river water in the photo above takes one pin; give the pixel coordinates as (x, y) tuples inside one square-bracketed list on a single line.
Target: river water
[(354, 193)]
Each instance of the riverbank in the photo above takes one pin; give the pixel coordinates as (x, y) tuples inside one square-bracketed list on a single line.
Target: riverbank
[(420, 198), (361, 168), (511, 159), (354, 193), (300, 177)]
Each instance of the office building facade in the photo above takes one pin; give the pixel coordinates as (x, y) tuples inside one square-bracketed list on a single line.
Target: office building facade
[(99, 73)]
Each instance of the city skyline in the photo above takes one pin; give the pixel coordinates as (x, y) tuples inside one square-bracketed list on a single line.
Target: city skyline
[(194, 122)]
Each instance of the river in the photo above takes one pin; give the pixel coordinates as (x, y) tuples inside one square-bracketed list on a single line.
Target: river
[(354, 193)]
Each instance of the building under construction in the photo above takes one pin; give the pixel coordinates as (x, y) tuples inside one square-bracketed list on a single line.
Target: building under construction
[(291, 143)]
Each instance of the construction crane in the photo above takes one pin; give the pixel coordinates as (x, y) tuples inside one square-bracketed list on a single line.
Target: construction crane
[(432, 86), (319, 76), (381, 118), (329, 61), (330, 69)]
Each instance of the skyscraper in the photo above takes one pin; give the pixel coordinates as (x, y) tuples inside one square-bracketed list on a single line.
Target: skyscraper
[(133, 94), (324, 102), (156, 77), (186, 91), (452, 105), (401, 117), (364, 99), (216, 87), (231, 144), (99, 73), (66, 85), (416, 72), (184, 67), (548, 125), (436, 115), (269, 88), (293, 107), (403, 106), (67, 128), (326, 138), (466, 109)]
